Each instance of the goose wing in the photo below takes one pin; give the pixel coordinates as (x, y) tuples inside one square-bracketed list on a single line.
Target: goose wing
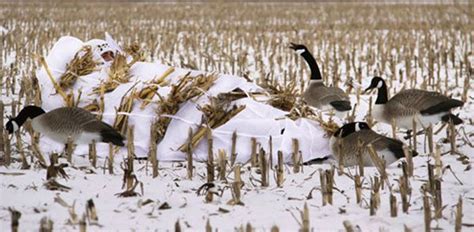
[(89, 123), (380, 142), (69, 121), (349, 144), (72, 120), (321, 95), (65, 120), (339, 99), (412, 101)]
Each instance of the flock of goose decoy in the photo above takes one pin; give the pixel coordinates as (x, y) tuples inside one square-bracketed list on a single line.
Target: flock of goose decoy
[(426, 107)]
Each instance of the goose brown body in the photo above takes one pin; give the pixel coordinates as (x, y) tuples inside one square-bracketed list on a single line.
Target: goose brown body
[(321, 96), (317, 94), (415, 101), (426, 107), (63, 123), (346, 144)]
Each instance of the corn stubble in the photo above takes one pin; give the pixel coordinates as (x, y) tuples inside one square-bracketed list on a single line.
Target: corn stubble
[(411, 46)]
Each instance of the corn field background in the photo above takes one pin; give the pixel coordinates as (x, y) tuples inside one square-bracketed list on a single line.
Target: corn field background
[(426, 46)]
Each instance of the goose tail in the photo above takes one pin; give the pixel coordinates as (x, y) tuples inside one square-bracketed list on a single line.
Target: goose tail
[(442, 107), (452, 118), (396, 147), (112, 136), (341, 105), (322, 160)]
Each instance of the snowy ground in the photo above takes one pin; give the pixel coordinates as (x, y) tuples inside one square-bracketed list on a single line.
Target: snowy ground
[(171, 197), (263, 207)]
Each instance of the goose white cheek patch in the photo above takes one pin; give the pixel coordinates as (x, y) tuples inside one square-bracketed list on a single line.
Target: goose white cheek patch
[(357, 127), (300, 51), (15, 126), (379, 85)]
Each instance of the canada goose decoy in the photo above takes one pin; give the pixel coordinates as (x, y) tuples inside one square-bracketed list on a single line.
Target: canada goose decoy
[(425, 106), (61, 123), (317, 94), (345, 142)]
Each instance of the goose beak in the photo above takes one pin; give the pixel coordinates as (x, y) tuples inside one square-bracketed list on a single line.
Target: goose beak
[(292, 46), (369, 89)]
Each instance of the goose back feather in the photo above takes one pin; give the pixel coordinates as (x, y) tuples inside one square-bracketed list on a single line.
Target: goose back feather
[(77, 123), (388, 149)]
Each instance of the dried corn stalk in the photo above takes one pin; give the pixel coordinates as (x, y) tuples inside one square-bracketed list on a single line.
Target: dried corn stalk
[(237, 94), (282, 96), (287, 97), (82, 64), (68, 99), (119, 69), (329, 126), (216, 113), (136, 52), (121, 118), (300, 110), (187, 88), (147, 93), (92, 107), (107, 86), (119, 73)]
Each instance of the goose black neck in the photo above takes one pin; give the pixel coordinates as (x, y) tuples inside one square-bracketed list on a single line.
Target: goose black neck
[(345, 130), (315, 73), (382, 96), (28, 112)]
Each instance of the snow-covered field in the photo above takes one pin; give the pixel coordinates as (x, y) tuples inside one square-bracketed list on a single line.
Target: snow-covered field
[(404, 44)]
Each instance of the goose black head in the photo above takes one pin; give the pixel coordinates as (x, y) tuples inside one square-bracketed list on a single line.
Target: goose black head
[(377, 82), (350, 128), (30, 112), (299, 48), (11, 125)]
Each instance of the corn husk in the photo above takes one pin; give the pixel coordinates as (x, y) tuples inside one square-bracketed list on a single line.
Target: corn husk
[(82, 64)]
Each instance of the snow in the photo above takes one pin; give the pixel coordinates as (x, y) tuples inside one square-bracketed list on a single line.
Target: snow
[(3, 30), (263, 207)]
